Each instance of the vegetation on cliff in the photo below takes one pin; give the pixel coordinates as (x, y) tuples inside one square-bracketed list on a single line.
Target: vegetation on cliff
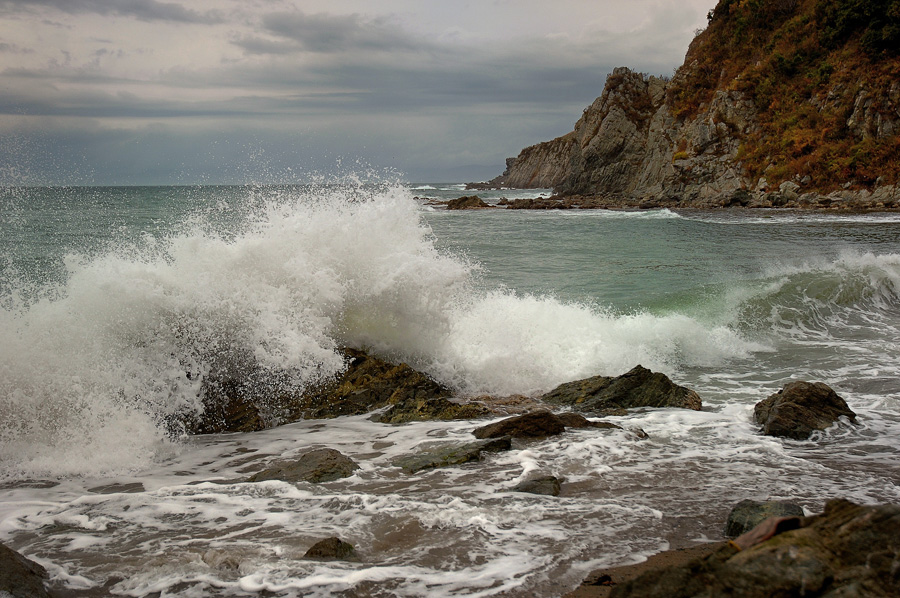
[(824, 76)]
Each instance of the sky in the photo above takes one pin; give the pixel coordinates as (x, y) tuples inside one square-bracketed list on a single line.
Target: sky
[(134, 92)]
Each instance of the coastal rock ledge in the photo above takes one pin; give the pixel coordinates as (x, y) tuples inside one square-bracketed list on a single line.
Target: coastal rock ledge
[(848, 550), (777, 104)]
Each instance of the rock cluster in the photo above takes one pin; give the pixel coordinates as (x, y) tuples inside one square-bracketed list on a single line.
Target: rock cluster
[(315, 466), (467, 202), (849, 550)]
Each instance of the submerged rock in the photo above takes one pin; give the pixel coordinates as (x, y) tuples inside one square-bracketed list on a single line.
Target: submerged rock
[(330, 549), (747, 514), (849, 550), (20, 577), (455, 454), (546, 485), (638, 388), (799, 409), (319, 465)]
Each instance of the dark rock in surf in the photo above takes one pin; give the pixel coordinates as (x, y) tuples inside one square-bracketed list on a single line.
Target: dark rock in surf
[(849, 550), (371, 383), (545, 485), (536, 424), (454, 454), (638, 388), (21, 577), (575, 420), (467, 202), (227, 407), (799, 409), (331, 549), (316, 466), (420, 408), (747, 514)]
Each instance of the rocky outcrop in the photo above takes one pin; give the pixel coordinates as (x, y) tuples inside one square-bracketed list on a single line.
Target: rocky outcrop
[(849, 550), (768, 110), (799, 409), (637, 388), (541, 166), (628, 146), (747, 514), (20, 577), (316, 466), (467, 202)]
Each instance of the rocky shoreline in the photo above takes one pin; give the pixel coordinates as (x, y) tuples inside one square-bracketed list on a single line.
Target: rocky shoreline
[(817, 554)]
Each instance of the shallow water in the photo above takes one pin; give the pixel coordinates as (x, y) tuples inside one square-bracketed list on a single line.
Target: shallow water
[(110, 296)]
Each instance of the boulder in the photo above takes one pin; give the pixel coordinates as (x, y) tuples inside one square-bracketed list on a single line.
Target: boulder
[(536, 424), (747, 514), (454, 454), (330, 549), (318, 465), (638, 388), (849, 550), (20, 577), (467, 202), (800, 408), (546, 485)]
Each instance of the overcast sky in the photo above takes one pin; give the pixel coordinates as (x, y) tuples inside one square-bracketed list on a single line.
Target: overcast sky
[(223, 91)]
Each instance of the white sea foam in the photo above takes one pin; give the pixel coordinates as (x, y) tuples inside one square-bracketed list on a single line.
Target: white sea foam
[(90, 372)]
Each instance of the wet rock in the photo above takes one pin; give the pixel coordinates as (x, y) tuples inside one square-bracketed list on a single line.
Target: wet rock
[(20, 577), (799, 409), (546, 485), (575, 420), (849, 550), (228, 406), (319, 465), (456, 454), (430, 409), (638, 388), (467, 202), (330, 549), (537, 424), (747, 514), (367, 384)]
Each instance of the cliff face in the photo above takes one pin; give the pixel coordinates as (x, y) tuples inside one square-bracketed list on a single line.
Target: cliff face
[(779, 102)]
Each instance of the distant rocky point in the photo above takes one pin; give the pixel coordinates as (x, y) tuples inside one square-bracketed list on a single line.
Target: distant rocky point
[(778, 104)]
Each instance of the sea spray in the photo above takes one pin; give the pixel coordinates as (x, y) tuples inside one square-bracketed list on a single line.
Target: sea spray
[(264, 284)]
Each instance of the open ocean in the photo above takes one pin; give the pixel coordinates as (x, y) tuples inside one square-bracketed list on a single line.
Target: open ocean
[(109, 295)]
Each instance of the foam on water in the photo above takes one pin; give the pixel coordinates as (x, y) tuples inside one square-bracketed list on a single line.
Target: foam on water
[(92, 370)]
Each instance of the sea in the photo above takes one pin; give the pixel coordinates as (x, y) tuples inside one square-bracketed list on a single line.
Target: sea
[(111, 296)]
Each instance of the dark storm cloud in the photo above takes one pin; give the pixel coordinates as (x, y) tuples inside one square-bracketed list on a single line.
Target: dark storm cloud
[(339, 33), (144, 10)]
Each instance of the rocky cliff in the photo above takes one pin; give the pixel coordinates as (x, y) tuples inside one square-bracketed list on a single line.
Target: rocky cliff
[(778, 103)]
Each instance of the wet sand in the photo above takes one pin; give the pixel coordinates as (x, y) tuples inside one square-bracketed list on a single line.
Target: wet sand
[(601, 582)]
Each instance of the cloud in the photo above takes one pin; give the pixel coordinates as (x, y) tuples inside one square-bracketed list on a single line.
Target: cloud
[(144, 10), (425, 87), (339, 33)]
